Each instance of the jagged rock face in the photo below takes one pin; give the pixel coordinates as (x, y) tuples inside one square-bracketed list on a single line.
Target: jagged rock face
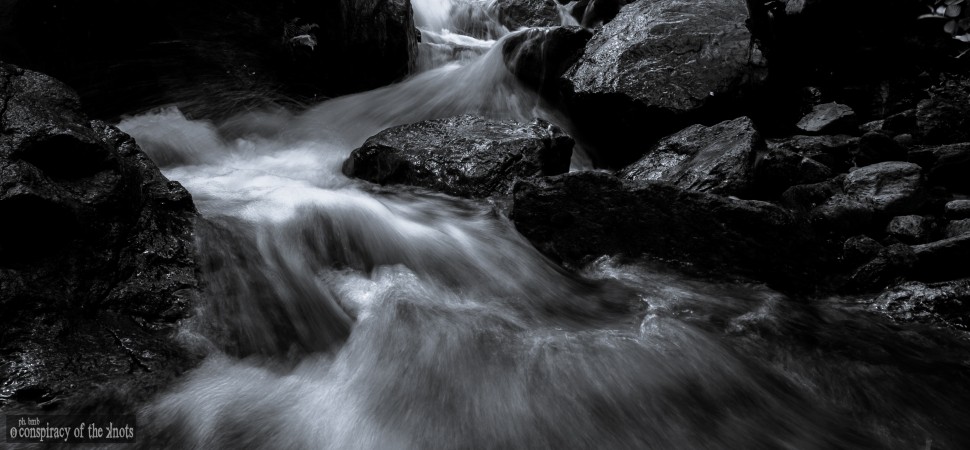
[(131, 56), (465, 155), (96, 252), (945, 302), (656, 68), (581, 215), (718, 159)]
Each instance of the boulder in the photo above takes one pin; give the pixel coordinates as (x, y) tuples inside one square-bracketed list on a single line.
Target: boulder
[(944, 259), (876, 147), (944, 118), (465, 156), (911, 229), (540, 56), (956, 228), (777, 170), (891, 265), (829, 118), (97, 257), (957, 209), (806, 197), (656, 68), (891, 187), (835, 151), (945, 303), (946, 165), (581, 215), (124, 57), (515, 14), (718, 159), (860, 249)]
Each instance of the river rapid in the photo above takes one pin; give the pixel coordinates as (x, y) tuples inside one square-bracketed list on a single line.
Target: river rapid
[(344, 315)]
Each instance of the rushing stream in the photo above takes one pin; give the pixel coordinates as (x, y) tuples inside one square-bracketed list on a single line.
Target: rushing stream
[(344, 315)]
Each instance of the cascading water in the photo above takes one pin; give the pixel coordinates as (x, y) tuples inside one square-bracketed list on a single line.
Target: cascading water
[(341, 315)]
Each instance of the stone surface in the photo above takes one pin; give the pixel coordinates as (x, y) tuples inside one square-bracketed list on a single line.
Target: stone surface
[(876, 147), (835, 151), (943, 259), (957, 228), (957, 209), (96, 255), (778, 170), (806, 197), (515, 14), (944, 118), (124, 57), (656, 68), (828, 118), (935, 303), (911, 229), (890, 187), (891, 265), (719, 159), (860, 249), (946, 165), (581, 215), (465, 155)]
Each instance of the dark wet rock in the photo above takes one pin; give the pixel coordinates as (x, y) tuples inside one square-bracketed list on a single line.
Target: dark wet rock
[(957, 228), (876, 147), (777, 170), (719, 159), (96, 255), (957, 209), (829, 118), (658, 67), (890, 187), (901, 123), (891, 265), (946, 165), (911, 229), (845, 215), (835, 151), (946, 302), (540, 56), (944, 118), (943, 259), (872, 125), (465, 155), (126, 57), (860, 249), (515, 14), (806, 197), (581, 215)]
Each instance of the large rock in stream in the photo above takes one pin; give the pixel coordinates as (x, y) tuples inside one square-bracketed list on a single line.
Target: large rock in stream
[(124, 56), (96, 257), (579, 216), (658, 67), (465, 155)]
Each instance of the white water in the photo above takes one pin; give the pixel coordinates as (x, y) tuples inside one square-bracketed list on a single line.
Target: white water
[(341, 315)]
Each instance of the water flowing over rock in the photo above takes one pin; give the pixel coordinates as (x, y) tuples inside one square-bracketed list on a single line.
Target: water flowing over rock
[(135, 56), (658, 67), (719, 159), (96, 255), (539, 57), (582, 215), (465, 155)]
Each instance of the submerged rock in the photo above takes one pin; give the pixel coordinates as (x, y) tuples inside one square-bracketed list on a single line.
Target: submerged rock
[(657, 67), (96, 255), (466, 155), (718, 159), (582, 215)]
